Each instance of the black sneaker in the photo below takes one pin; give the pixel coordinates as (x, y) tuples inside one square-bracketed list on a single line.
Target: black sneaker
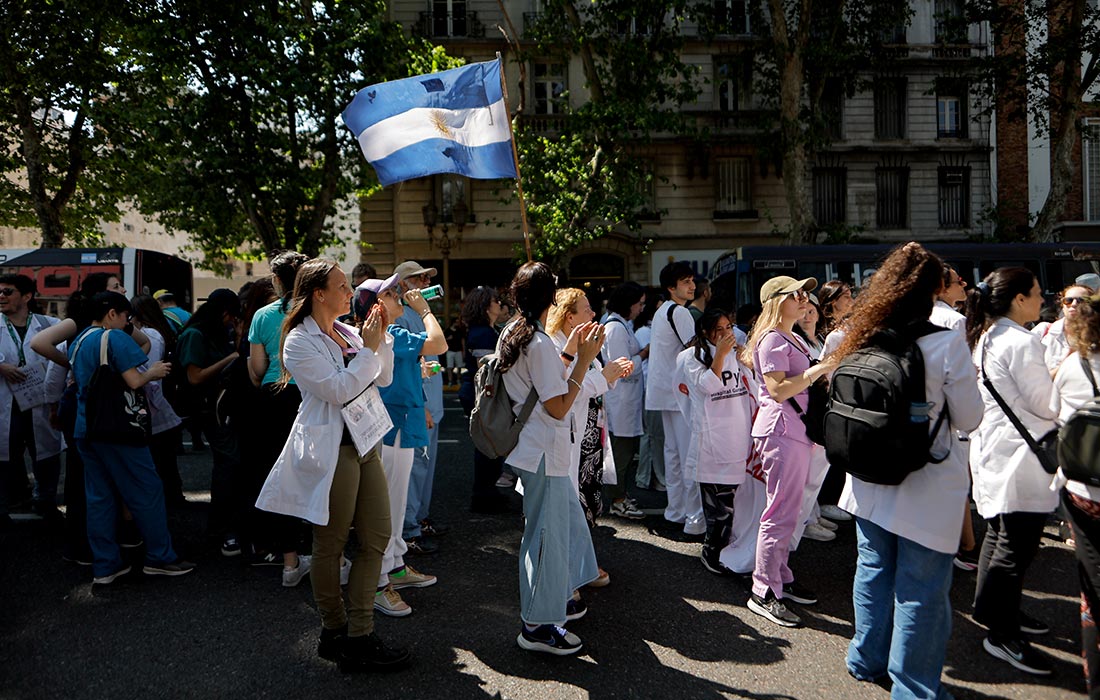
[(74, 557), (110, 578), (549, 639), (433, 529), (1029, 625), (1019, 653), (368, 653), (264, 559), (129, 537), (331, 644), (231, 546), (419, 545), (797, 594), (575, 609), (177, 568), (773, 609), (714, 565)]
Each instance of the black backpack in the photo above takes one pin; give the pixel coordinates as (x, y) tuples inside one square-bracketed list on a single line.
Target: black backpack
[(876, 420), (1079, 438)]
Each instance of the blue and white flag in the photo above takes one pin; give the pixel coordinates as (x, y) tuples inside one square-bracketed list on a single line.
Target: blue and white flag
[(455, 121)]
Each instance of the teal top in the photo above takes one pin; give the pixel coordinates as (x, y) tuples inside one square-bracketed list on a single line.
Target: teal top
[(267, 330)]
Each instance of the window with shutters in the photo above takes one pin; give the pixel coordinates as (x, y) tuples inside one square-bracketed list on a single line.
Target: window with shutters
[(734, 189), (890, 101), (733, 82), (954, 196), (1090, 138), (548, 87), (830, 195), (892, 197), (951, 118)]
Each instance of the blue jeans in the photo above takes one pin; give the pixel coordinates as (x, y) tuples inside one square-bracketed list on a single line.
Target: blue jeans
[(129, 472), (420, 485), (555, 555), (903, 613)]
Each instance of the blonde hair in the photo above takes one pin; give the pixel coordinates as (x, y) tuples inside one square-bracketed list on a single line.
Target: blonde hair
[(565, 303), (769, 319)]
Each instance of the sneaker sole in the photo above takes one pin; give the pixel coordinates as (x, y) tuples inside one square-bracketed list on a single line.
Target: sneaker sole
[(525, 643), (816, 537), (717, 572), (999, 653), (964, 565), (763, 612), (628, 516), (575, 616), (131, 545), (231, 553), (420, 584), (154, 571), (798, 599), (294, 584), (393, 613), (1036, 631), (599, 583), (104, 580)]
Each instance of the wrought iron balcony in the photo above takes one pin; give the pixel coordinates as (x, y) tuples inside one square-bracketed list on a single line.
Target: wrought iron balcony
[(449, 25)]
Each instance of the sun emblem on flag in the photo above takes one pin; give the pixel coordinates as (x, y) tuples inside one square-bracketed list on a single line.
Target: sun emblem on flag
[(439, 121)]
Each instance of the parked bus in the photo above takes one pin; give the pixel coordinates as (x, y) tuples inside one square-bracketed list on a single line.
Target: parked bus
[(60, 271), (738, 275)]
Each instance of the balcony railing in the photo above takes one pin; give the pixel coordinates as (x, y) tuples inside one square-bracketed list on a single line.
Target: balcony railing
[(543, 123), (449, 25)]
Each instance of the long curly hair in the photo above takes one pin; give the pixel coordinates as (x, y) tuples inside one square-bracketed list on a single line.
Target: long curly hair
[(565, 303), (1083, 329), (902, 291), (533, 291)]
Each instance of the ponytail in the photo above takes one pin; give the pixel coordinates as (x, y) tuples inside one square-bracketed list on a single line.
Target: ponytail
[(992, 298), (533, 291)]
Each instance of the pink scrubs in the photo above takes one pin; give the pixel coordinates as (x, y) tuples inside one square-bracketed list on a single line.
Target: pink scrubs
[(780, 438)]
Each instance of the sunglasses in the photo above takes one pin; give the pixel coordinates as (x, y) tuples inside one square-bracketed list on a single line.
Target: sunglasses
[(8, 291), (799, 295), (1068, 301)]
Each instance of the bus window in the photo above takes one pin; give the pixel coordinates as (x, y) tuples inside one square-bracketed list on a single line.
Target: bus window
[(813, 269), (845, 272), (989, 265), (1062, 273), (965, 270)]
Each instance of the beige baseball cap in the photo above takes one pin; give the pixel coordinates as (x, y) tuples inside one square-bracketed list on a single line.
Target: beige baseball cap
[(777, 286), (410, 268)]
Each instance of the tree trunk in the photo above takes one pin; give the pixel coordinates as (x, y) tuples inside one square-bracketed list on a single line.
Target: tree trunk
[(794, 150), (1063, 173)]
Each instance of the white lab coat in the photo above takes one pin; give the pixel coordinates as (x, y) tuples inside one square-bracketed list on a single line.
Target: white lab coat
[(594, 385), (946, 317), (719, 413), (1055, 344), (1072, 389), (299, 483), (1007, 475), (927, 507), (48, 441), (623, 403), (665, 344)]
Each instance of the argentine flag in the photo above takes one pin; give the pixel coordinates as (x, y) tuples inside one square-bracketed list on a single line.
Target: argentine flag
[(455, 121)]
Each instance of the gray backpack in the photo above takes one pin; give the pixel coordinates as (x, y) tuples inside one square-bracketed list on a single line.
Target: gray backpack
[(494, 428)]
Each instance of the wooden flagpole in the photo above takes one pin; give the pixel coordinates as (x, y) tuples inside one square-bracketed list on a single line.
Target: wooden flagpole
[(515, 157)]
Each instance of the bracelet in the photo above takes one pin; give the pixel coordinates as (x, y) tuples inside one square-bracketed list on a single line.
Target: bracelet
[(425, 314), (567, 356), (575, 383)]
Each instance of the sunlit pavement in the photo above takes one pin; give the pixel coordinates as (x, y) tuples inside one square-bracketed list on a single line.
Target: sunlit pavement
[(664, 628)]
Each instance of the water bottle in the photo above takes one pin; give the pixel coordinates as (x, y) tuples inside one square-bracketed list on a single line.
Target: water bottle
[(918, 412), (433, 292)]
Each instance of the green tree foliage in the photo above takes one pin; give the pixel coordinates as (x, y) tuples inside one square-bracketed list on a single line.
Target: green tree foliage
[(581, 173), (1045, 65), (244, 147), (809, 51), (63, 67)]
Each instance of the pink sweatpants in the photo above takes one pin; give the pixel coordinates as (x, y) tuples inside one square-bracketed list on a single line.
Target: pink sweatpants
[(786, 465)]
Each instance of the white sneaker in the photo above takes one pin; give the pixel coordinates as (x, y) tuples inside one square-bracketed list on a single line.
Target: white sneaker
[(345, 572), (292, 577), (816, 532), (827, 524), (506, 481), (835, 513)]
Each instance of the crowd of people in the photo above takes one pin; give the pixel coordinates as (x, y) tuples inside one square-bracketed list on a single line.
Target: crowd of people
[(320, 398)]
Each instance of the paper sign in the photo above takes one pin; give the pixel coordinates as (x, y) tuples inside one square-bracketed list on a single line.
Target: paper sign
[(367, 419), (30, 392)]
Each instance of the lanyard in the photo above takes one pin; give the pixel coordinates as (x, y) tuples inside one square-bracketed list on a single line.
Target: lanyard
[(15, 338)]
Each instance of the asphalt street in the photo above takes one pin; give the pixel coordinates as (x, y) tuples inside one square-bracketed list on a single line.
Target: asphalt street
[(664, 628)]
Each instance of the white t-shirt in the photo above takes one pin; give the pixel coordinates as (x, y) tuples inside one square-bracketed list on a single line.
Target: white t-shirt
[(539, 365), (664, 346), (1072, 390)]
